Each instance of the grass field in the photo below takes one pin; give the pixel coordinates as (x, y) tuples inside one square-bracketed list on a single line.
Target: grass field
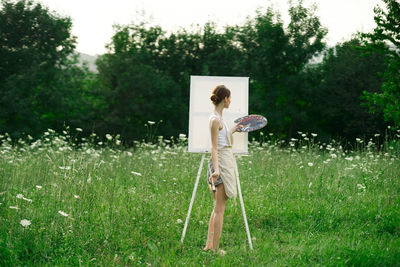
[(307, 204)]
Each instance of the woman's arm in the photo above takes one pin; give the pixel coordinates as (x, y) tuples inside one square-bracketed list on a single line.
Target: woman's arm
[(214, 128), (233, 130)]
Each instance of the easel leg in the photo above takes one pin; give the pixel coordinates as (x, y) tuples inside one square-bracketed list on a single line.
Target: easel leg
[(193, 196), (242, 204)]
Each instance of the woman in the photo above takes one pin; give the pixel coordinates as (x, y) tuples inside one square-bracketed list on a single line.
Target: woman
[(223, 176)]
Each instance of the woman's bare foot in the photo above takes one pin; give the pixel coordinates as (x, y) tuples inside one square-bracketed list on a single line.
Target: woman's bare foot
[(206, 248), (208, 245)]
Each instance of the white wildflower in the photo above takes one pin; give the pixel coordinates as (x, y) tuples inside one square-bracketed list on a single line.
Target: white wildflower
[(309, 185), (327, 161), (349, 158), (151, 122), (333, 156), (25, 222), (117, 142), (361, 187), (109, 137), (39, 187), (79, 129), (76, 196), (14, 207), (21, 196), (136, 173), (64, 167), (314, 134), (63, 213), (179, 221), (310, 164), (27, 199)]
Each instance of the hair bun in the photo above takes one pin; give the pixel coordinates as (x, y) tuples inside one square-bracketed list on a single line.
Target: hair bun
[(214, 98)]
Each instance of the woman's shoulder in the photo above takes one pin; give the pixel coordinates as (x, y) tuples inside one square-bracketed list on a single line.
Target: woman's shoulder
[(213, 117), (214, 120)]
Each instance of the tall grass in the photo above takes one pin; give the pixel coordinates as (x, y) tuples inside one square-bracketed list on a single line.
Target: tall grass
[(98, 203)]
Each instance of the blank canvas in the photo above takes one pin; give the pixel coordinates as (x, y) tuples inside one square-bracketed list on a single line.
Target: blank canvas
[(201, 108)]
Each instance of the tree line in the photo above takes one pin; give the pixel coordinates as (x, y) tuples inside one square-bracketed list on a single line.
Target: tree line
[(145, 74)]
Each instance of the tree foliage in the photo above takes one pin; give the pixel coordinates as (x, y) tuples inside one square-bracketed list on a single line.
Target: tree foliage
[(276, 58), (340, 81), (386, 39), (40, 85)]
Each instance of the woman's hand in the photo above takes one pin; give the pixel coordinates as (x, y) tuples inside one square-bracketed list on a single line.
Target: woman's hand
[(236, 128), (214, 176)]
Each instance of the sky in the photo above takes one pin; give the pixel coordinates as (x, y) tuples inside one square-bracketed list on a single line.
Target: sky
[(93, 20)]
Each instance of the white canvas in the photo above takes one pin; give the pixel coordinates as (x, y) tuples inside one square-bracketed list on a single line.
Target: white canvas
[(201, 108)]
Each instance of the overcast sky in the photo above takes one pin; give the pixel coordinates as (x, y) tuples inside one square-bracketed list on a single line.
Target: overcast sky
[(93, 19)]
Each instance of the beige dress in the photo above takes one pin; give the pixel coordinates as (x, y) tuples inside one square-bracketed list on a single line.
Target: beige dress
[(226, 162)]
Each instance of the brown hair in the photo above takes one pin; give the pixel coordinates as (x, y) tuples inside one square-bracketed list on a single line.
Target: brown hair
[(219, 93)]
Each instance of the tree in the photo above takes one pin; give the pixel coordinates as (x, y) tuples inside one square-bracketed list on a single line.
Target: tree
[(275, 58), (136, 90), (341, 79), (386, 39), (35, 49), (146, 74)]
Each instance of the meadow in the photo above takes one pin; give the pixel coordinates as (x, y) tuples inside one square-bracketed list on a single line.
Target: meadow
[(67, 203)]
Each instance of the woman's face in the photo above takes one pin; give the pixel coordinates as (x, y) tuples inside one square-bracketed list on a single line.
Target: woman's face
[(227, 102)]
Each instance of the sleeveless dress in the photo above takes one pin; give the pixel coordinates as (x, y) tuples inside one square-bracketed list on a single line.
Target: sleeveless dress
[(225, 160)]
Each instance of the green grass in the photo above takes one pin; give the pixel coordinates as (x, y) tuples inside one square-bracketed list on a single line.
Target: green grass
[(344, 210)]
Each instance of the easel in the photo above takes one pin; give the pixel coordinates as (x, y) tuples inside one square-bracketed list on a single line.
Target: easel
[(240, 198)]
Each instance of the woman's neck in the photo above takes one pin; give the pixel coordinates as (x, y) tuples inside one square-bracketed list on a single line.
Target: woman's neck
[(219, 109)]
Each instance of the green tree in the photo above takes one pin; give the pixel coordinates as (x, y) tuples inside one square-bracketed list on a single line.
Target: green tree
[(386, 39), (136, 90), (340, 81), (276, 59), (146, 74), (35, 50)]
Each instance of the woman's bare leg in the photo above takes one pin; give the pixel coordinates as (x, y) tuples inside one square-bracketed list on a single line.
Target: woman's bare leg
[(218, 215), (210, 227)]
